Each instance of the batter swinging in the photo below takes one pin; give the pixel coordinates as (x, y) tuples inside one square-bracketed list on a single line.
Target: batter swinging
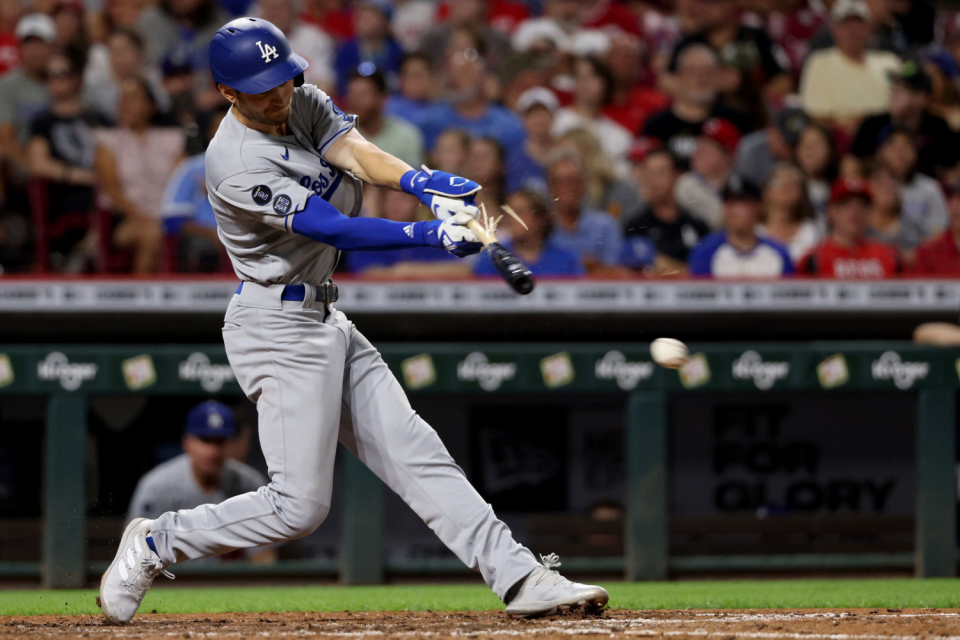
[(283, 174)]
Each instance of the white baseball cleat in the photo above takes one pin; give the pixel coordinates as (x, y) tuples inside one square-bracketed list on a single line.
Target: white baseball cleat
[(130, 574), (545, 591)]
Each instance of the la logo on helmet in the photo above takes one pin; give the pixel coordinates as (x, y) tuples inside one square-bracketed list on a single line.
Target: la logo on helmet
[(267, 51)]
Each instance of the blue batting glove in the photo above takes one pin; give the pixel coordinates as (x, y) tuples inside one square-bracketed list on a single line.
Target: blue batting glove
[(444, 193)]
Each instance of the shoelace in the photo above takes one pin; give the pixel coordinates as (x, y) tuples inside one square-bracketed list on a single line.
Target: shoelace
[(549, 562), (153, 568)]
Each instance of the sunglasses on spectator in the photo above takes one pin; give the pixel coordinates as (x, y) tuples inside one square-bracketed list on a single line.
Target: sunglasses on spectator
[(61, 72)]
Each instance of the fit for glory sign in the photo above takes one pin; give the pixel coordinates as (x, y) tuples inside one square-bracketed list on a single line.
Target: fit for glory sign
[(793, 454)]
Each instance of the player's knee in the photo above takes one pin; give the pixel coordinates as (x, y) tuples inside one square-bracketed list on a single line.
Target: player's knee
[(304, 516)]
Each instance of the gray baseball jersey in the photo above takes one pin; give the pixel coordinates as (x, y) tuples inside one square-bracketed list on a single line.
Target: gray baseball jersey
[(171, 486), (256, 181)]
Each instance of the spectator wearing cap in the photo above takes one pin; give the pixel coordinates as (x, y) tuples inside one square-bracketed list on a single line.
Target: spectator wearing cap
[(922, 197), (23, 93), (533, 243), (633, 101), (661, 220), (403, 263), (470, 109), (594, 236), (61, 151), (698, 190), (525, 169), (593, 91), (736, 251), (940, 256), (887, 223), (202, 474), (847, 253), (747, 49), (126, 60), (898, 27), (760, 151), (560, 28), (372, 48), (308, 40), (788, 216), (365, 97), (470, 15), (416, 100), (695, 102), (909, 111), (816, 155), (846, 83)]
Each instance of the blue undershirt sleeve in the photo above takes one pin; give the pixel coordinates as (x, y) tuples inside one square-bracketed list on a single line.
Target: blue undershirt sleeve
[(322, 222)]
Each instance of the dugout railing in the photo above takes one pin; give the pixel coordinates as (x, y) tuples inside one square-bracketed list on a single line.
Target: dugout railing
[(68, 375)]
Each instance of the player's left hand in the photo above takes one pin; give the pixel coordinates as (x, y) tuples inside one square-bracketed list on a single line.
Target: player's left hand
[(453, 235), (444, 193)]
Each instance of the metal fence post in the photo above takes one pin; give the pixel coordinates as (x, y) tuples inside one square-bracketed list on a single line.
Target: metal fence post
[(936, 519), (64, 508), (647, 519), (361, 550)]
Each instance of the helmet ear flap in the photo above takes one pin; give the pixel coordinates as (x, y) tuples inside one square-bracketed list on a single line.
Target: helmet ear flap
[(298, 81)]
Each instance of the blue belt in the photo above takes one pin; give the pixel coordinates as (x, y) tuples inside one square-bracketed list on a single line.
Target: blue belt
[(327, 293)]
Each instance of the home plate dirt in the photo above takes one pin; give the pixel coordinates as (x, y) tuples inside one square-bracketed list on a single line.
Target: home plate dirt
[(760, 624)]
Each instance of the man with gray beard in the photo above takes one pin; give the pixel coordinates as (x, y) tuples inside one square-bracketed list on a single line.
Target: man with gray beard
[(468, 108), (695, 101)]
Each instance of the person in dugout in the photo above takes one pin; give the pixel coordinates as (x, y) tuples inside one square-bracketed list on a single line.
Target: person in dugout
[(205, 473)]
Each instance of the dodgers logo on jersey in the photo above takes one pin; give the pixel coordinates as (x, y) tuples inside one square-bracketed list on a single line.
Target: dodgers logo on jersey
[(282, 204), (261, 194)]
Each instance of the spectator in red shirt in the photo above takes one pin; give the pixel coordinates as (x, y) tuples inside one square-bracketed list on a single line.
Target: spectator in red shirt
[(331, 16), (9, 45), (847, 253), (632, 102), (940, 256)]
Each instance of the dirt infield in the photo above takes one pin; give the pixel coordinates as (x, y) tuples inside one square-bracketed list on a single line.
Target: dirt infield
[(808, 624)]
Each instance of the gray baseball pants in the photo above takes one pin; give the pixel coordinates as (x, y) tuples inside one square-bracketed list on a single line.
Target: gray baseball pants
[(316, 380)]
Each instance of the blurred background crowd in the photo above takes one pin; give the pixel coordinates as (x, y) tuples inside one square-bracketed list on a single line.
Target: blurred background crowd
[(715, 138)]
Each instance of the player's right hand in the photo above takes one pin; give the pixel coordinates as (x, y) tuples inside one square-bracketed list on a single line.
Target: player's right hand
[(444, 193), (453, 235)]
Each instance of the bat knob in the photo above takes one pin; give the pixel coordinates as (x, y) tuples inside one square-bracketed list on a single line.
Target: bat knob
[(511, 269)]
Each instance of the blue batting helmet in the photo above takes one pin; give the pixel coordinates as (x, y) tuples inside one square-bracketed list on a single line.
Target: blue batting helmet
[(253, 56)]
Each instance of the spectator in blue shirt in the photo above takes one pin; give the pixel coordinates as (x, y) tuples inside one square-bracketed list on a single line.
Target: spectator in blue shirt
[(186, 211), (411, 262), (470, 109), (737, 251), (416, 101), (534, 245), (593, 235), (372, 48), (525, 169)]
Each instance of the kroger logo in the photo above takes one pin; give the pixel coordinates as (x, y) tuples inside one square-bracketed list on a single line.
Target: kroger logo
[(71, 375), (615, 366), (890, 366), (751, 366), (489, 375), (197, 367)]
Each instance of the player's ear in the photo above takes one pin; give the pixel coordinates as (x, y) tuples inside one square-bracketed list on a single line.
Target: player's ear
[(227, 92)]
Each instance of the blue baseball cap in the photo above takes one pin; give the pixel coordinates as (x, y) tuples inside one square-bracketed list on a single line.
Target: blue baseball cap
[(211, 419)]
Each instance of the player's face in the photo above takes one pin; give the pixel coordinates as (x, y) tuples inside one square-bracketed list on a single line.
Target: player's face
[(207, 455), (270, 108)]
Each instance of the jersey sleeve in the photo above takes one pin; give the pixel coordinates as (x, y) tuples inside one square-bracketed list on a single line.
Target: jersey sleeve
[(327, 122), (267, 196)]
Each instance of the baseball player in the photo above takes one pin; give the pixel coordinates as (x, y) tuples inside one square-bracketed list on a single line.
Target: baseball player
[(283, 175)]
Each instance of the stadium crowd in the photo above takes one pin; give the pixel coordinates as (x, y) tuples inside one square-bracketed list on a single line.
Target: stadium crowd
[(723, 138)]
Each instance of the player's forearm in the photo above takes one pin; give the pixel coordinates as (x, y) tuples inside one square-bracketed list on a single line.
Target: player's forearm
[(320, 221), (367, 161)]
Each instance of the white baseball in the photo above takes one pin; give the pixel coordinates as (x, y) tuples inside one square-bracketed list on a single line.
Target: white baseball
[(669, 353)]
